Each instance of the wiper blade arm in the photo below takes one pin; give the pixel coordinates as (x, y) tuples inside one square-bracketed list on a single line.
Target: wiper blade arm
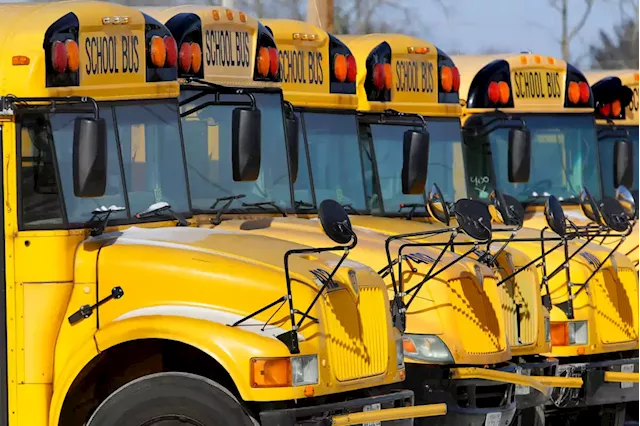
[(262, 204), (412, 206), (225, 207), (350, 208), (159, 208), (303, 204), (100, 219)]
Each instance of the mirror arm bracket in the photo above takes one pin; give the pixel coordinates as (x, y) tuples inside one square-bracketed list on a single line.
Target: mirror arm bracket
[(503, 122)]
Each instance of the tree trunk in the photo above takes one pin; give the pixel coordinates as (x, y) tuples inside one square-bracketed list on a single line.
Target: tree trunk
[(565, 32)]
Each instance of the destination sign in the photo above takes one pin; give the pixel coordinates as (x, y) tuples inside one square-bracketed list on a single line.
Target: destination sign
[(228, 52), (537, 85), (110, 57), (415, 79)]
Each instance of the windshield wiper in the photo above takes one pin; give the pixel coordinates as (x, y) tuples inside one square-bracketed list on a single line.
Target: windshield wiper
[(350, 208), (299, 204), (100, 217), (261, 205), (225, 207), (157, 209), (412, 206)]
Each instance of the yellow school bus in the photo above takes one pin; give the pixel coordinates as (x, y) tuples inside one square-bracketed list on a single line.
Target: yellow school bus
[(115, 311), (308, 57), (615, 121), (594, 319), (330, 136), (421, 90)]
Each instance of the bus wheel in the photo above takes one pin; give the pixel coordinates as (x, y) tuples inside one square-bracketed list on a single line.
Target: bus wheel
[(171, 398)]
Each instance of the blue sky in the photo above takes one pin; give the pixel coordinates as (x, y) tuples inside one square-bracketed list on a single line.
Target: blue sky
[(513, 25)]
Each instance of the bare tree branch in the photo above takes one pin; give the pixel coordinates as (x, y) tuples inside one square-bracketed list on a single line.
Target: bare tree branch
[(583, 20)]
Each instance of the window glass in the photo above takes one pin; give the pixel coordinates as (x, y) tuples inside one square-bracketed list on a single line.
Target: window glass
[(302, 185)]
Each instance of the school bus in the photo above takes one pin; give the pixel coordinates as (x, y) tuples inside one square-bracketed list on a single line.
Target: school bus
[(594, 332), (130, 316), (615, 121), (261, 207), (418, 88)]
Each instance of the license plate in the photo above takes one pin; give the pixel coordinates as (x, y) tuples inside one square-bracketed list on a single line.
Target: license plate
[(493, 419), (626, 368), (523, 390), (372, 407)]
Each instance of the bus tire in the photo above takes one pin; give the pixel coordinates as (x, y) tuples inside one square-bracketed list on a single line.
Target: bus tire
[(161, 397)]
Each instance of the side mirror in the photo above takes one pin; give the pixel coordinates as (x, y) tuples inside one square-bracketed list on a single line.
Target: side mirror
[(555, 216), (510, 211), (438, 206), (415, 161), (335, 221), (89, 157), (622, 164), (588, 206), (293, 143), (245, 144), (519, 155), (474, 219), (627, 202)]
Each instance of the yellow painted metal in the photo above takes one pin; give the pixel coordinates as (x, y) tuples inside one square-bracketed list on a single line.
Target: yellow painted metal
[(560, 382), (499, 376), (617, 376), (389, 414)]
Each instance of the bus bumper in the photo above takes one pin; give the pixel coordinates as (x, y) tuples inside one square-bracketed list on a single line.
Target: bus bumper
[(606, 382), (395, 409)]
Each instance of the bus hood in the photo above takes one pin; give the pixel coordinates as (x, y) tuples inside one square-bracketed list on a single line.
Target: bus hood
[(462, 299)]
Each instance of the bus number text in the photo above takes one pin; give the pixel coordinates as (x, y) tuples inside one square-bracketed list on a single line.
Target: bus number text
[(303, 67), (107, 55), (530, 84)]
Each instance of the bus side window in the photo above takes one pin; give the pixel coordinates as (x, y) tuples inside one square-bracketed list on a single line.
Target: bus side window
[(40, 195)]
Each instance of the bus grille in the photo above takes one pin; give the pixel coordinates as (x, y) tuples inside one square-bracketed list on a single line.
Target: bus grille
[(517, 298), (475, 316), (357, 335)]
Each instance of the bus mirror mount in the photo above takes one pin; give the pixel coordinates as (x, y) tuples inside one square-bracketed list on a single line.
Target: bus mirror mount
[(89, 157), (415, 161), (293, 145), (622, 164), (246, 144), (519, 155)]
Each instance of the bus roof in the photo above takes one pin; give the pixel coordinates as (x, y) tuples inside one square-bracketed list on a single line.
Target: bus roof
[(110, 52), (522, 82), (415, 66), (629, 78), (307, 60), (229, 41)]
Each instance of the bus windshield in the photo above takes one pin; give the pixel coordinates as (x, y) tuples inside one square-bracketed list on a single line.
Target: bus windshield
[(445, 157), (145, 164), (605, 150), (332, 146), (563, 156), (207, 135)]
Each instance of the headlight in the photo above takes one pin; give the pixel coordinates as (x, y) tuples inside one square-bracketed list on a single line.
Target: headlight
[(578, 333), (426, 348), (400, 353), (304, 370), (547, 329)]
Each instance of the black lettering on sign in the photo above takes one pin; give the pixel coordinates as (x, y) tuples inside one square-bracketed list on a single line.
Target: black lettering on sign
[(301, 67), (224, 48), (412, 76), (536, 85), (108, 55)]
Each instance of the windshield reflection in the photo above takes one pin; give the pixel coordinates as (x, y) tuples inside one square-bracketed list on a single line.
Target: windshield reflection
[(564, 155), (207, 136), (605, 151), (446, 166)]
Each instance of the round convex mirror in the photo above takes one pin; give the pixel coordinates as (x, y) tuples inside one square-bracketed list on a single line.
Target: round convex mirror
[(613, 215), (627, 201), (335, 221), (589, 206), (474, 219), (438, 206), (510, 211), (555, 216)]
